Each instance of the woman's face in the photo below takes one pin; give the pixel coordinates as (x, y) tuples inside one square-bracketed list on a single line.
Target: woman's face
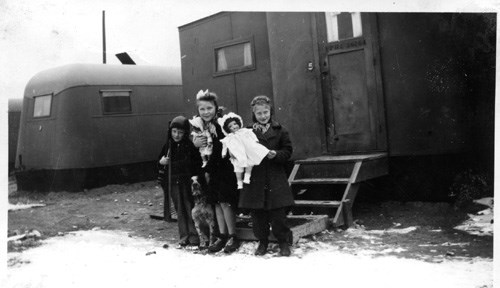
[(262, 113), (206, 109)]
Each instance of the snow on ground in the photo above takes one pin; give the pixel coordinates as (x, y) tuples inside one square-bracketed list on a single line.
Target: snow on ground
[(482, 222), (20, 206), (113, 259)]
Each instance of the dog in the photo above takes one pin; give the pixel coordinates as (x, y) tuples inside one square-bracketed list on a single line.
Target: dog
[(203, 214)]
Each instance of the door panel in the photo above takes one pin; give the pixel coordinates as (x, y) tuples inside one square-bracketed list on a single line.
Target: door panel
[(350, 83), (352, 131)]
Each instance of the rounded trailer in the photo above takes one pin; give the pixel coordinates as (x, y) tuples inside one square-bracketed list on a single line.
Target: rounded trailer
[(87, 125)]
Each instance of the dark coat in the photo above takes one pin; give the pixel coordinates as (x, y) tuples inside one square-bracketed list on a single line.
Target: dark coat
[(268, 188), (185, 159), (222, 186)]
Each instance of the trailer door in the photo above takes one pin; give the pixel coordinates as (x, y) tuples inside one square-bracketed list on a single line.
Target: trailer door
[(351, 84)]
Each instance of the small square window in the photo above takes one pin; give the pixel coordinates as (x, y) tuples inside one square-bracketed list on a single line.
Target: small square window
[(341, 26), (116, 102), (42, 106), (234, 57)]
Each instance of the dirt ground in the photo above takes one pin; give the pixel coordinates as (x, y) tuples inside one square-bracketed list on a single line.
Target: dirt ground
[(128, 208)]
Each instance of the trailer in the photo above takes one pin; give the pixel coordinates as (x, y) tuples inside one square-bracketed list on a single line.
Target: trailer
[(87, 125), (14, 110), (402, 101)]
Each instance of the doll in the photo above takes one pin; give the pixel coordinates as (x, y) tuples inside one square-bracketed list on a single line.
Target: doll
[(199, 131), (243, 146)]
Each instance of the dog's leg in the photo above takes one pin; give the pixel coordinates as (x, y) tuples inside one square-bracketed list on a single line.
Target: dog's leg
[(203, 237), (197, 225), (211, 227)]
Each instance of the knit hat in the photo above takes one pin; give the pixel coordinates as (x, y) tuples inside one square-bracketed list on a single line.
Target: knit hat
[(226, 119), (180, 122)]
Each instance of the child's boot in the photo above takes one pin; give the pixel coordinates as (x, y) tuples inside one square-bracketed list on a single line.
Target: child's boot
[(284, 248), (232, 244), (218, 244), (262, 248)]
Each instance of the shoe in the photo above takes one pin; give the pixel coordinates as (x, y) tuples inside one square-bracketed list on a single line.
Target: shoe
[(246, 179), (240, 185), (218, 245), (284, 249), (184, 243), (262, 248), (232, 244)]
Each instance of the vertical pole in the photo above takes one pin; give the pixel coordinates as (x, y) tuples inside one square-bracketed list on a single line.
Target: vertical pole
[(103, 37), (167, 216)]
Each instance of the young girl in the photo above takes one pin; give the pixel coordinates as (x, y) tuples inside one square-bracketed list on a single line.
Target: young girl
[(268, 195), (199, 130), (243, 147), (219, 175), (185, 163)]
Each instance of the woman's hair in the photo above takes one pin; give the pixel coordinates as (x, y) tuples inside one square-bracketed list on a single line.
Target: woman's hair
[(229, 120), (261, 100)]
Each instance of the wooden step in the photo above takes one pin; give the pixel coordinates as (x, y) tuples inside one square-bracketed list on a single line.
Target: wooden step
[(341, 158), (321, 181), (318, 203)]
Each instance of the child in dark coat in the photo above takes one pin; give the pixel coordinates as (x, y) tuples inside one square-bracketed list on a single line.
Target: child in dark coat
[(268, 194), (185, 164)]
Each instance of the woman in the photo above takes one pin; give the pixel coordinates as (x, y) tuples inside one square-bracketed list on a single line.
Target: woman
[(268, 194), (219, 175)]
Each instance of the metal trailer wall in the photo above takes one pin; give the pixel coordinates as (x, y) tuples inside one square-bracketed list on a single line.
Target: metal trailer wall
[(297, 93), (78, 143), (235, 90), (424, 85), (15, 107)]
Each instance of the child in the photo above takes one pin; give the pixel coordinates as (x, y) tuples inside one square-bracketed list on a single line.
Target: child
[(243, 147), (200, 130), (185, 164), (269, 194)]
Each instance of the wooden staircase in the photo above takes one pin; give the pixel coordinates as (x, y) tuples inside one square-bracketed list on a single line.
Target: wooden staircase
[(348, 170)]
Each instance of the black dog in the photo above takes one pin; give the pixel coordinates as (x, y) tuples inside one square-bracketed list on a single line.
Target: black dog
[(203, 214)]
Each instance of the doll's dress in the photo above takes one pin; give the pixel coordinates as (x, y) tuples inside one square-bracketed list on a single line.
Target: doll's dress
[(244, 147)]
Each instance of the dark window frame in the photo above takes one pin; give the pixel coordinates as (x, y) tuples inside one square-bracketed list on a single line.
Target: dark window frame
[(229, 43), (103, 106), (50, 106)]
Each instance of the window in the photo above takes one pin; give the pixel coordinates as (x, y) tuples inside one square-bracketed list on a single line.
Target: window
[(116, 101), (234, 57), (42, 106), (341, 26)]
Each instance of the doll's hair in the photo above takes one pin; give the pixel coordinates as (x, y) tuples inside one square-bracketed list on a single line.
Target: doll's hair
[(228, 121), (261, 100)]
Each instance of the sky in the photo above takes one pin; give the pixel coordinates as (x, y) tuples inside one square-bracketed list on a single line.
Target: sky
[(40, 34)]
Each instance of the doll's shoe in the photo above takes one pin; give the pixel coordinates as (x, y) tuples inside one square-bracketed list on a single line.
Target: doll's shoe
[(246, 179), (262, 248), (240, 185)]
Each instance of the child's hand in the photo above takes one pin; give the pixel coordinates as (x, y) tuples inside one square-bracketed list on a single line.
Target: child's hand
[(271, 154), (200, 141), (164, 160)]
